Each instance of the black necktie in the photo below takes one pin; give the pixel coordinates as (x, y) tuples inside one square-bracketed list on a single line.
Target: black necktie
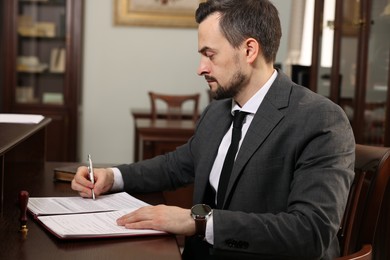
[(230, 157)]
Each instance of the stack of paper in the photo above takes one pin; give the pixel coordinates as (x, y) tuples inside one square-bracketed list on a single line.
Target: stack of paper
[(77, 217)]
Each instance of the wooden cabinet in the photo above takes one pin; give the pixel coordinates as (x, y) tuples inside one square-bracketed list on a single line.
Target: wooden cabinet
[(357, 75), (42, 46)]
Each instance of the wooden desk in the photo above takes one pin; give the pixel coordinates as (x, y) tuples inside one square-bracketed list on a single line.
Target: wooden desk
[(20, 143), (40, 244), (161, 114), (155, 137)]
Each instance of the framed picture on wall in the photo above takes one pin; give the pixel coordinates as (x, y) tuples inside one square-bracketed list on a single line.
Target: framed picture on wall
[(156, 13)]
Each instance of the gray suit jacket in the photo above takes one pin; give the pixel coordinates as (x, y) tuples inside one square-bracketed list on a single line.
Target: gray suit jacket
[(290, 181)]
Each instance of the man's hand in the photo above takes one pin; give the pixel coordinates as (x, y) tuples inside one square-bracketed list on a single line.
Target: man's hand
[(170, 219), (104, 179)]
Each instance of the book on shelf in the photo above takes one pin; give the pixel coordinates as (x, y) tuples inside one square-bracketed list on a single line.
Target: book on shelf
[(77, 217), (53, 98), (57, 60), (67, 172)]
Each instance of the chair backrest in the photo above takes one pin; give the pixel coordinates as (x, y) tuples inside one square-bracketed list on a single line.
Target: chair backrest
[(174, 104), (366, 219), (363, 254)]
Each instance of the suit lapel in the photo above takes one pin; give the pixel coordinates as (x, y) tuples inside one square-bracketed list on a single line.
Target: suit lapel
[(220, 121), (265, 120)]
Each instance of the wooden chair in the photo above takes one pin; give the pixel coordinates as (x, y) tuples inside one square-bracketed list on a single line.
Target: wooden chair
[(365, 230), (363, 254), (174, 104)]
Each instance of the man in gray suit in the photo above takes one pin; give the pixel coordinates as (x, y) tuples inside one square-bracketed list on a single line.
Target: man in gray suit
[(287, 191)]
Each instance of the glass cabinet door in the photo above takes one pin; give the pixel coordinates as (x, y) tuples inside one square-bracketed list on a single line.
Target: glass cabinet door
[(42, 67), (348, 56), (41, 52), (352, 64), (377, 78), (338, 53)]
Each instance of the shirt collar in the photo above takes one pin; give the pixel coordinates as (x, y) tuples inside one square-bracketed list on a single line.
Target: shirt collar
[(255, 101)]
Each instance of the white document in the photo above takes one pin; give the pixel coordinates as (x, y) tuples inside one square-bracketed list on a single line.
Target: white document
[(77, 217), (74, 205), (21, 118), (101, 224)]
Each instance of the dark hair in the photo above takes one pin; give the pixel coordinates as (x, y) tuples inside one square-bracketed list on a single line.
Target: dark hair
[(241, 19)]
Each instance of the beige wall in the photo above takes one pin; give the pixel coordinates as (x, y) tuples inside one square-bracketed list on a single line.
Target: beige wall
[(121, 64)]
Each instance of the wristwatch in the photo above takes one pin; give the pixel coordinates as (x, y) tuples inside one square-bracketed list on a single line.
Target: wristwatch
[(200, 213)]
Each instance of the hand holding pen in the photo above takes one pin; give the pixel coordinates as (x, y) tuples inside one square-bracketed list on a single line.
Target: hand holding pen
[(89, 180), (91, 176)]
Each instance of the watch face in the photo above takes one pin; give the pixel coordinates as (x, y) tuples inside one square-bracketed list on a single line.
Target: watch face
[(201, 210)]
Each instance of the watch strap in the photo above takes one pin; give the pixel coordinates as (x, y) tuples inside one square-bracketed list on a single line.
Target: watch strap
[(200, 226)]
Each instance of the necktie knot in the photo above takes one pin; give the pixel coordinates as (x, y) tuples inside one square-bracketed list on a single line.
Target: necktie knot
[(238, 118)]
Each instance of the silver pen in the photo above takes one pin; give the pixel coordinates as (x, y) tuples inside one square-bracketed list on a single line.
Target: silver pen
[(91, 177)]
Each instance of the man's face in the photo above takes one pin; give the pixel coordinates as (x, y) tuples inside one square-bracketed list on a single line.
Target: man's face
[(220, 64)]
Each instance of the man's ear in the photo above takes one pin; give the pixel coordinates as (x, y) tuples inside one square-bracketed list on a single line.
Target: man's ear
[(252, 49)]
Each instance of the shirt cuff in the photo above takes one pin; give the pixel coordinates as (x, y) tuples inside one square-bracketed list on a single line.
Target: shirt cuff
[(209, 236), (118, 180)]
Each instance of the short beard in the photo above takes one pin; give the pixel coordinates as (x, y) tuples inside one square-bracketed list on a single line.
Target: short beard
[(235, 85)]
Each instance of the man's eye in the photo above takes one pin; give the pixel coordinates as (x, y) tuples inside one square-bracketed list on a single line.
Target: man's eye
[(209, 55)]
